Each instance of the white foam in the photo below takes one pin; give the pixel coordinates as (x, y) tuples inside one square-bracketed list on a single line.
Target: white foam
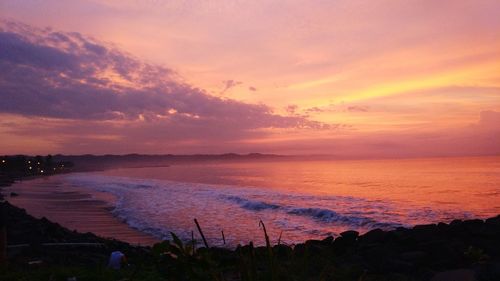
[(160, 206)]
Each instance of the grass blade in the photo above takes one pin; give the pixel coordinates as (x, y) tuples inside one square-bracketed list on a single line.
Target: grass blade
[(201, 233)]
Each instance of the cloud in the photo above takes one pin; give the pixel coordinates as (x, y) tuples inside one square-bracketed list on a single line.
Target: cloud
[(476, 139), (356, 108), (314, 109), (292, 109), (228, 84), (489, 120), (66, 75), (342, 107)]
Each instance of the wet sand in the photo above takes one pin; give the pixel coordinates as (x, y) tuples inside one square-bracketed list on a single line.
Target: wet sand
[(74, 209)]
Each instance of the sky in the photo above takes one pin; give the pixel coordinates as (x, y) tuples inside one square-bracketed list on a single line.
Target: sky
[(380, 78)]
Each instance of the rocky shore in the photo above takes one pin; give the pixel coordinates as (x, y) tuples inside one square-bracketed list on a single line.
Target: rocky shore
[(422, 253)]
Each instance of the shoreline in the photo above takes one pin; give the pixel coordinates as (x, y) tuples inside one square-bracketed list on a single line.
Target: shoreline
[(88, 210), (465, 250), (74, 209)]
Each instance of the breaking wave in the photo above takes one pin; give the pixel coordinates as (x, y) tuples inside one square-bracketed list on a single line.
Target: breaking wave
[(318, 214), (252, 205), (160, 206), (326, 215)]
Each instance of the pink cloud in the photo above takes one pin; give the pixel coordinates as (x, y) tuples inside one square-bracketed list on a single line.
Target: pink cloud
[(65, 75), (87, 90)]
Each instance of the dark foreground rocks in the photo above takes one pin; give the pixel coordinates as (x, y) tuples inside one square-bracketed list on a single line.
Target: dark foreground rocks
[(467, 249)]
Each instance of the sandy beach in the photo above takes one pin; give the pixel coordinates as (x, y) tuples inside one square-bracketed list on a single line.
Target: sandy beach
[(74, 209)]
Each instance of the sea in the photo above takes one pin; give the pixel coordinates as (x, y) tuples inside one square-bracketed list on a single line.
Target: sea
[(296, 199)]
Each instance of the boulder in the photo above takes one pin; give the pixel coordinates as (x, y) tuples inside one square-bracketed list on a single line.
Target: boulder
[(414, 256), (350, 235), (299, 249), (373, 236), (493, 221), (328, 240)]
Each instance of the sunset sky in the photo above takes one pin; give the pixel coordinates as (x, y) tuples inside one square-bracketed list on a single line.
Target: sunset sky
[(342, 77)]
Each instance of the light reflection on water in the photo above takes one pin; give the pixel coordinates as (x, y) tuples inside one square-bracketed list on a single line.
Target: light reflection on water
[(304, 199)]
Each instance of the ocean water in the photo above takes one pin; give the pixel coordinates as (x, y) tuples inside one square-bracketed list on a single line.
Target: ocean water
[(297, 200)]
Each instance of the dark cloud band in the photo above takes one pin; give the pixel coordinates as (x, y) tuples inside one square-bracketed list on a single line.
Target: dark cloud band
[(70, 76)]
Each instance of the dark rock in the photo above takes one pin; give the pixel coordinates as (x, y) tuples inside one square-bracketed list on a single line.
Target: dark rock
[(473, 224), (404, 241), (328, 240), (394, 265), (456, 222), (376, 254), (423, 233), (350, 234), (373, 236), (342, 245), (314, 242), (493, 221), (426, 227), (442, 226), (414, 256), (299, 249), (398, 234), (443, 254), (363, 246), (315, 246)]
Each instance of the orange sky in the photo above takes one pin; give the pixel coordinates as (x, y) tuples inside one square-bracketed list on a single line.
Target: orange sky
[(356, 78)]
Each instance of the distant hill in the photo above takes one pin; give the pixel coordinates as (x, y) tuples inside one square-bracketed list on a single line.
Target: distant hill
[(90, 162)]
